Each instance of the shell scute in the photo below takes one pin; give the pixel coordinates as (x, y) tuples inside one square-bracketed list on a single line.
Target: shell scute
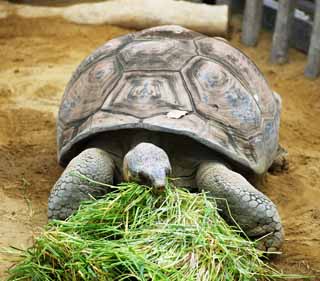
[(167, 54), (143, 94), (89, 91), (168, 31), (244, 69), (220, 97), (108, 49)]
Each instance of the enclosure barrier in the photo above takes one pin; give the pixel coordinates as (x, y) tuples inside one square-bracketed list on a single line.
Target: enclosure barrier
[(252, 22), (313, 66)]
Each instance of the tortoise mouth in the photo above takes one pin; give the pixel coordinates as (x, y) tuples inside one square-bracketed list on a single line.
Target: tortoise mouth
[(144, 179), (158, 186)]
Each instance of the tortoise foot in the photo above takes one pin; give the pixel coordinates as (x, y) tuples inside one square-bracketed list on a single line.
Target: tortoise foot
[(271, 242), (280, 163)]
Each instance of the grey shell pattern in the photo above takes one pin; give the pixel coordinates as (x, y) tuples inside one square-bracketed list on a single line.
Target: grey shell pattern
[(143, 79)]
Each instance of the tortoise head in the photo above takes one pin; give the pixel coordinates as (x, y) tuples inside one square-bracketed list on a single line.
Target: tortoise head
[(147, 164)]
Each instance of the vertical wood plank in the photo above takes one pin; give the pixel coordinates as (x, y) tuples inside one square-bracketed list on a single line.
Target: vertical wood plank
[(281, 35), (252, 21), (312, 69)]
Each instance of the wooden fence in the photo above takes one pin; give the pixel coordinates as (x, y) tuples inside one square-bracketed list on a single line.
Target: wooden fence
[(252, 21)]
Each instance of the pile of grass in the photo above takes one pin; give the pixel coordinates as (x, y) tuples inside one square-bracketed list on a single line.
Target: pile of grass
[(131, 234)]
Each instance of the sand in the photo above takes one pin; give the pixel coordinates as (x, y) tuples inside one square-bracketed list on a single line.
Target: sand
[(37, 59)]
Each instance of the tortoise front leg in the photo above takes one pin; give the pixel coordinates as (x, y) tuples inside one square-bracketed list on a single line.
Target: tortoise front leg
[(70, 190), (254, 212)]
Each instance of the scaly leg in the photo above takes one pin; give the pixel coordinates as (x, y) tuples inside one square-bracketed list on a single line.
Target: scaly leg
[(70, 190), (254, 212)]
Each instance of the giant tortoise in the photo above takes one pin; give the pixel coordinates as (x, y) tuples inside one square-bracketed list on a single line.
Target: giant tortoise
[(170, 102)]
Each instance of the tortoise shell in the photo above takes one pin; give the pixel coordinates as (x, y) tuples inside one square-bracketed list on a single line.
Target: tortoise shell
[(171, 79)]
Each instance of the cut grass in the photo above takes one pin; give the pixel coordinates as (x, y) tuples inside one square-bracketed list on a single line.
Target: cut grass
[(131, 234)]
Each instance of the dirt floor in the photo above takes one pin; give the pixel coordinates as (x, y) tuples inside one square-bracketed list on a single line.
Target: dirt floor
[(37, 59)]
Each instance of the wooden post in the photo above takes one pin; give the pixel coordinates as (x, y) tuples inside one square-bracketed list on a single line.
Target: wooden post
[(252, 20), (281, 35), (313, 66)]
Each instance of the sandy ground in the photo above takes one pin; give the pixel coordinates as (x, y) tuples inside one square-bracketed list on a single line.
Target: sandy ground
[(37, 58)]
